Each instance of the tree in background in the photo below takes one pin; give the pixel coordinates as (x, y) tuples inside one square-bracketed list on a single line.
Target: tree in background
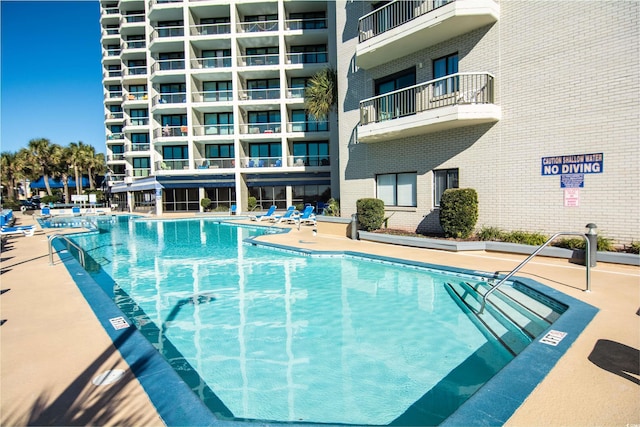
[(42, 154), (321, 96)]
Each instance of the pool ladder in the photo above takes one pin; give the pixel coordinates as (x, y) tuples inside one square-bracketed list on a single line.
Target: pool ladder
[(69, 242), (536, 252)]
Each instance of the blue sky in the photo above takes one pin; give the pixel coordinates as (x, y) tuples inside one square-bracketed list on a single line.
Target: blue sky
[(51, 74)]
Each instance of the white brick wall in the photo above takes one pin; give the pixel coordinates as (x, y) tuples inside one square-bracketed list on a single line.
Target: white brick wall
[(568, 82)]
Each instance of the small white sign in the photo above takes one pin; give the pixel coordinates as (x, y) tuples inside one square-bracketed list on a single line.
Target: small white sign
[(553, 338), (571, 197), (119, 323)]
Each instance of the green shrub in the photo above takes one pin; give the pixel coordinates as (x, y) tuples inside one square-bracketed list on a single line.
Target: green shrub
[(493, 234), (634, 248), (221, 208), (525, 238), (332, 208), (205, 203), (11, 204), (370, 213), (251, 203), (51, 199), (458, 212), (604, 244)]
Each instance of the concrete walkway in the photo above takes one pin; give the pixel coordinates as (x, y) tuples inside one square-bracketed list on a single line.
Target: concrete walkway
[(52, 345)]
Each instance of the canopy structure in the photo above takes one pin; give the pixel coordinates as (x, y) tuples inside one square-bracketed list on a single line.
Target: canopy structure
[(57, 183)]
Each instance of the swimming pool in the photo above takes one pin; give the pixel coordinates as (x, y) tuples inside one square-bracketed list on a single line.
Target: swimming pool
[(277, 335)]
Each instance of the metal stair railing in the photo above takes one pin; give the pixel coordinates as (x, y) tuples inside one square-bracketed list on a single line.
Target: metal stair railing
[(69, 242), (536, 252)]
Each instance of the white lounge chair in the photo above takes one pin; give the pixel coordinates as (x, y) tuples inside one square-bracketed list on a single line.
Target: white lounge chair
[(27, 231)]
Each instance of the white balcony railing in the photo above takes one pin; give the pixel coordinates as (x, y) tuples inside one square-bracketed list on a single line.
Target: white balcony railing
[(170, 98), (136, 71), (261, 162), (460, 88), (212, 130), (166, 164), (260, 128), (307, 58), (215, 163), (210, 29), (212, 96), (167, 65), (394, 14), (305, 24), (259, 94), (256, 27), (308, 126), (258, 60), (171, 131), (218, 62)]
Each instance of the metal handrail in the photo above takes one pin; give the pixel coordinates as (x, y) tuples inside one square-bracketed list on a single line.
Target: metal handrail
[(70, 242), (536, 252)]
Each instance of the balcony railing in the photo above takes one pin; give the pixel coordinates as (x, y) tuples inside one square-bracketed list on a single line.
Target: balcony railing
[(307, 58), (138, 121), (215, 163), (137, 96), (115, 157), (114, 115), (256, 27), (138, 147), (173, 164), (162, 32), (205, 130), (115, 136), (296, 92), (258, 128), (114, 94), (139, 172), (112, 73), (308, 126), (117, 177), (261, 162), (258, 60), (210, 29), (170, 98), (171, 131), (213, 96), (136, 44), (312, 160), (136, 71), (258, 94), (218, 62), (131, 19), (460, 88), (394, 14), (112, 11), (155, 2), (112, 52), (167, 65), (306, 24)]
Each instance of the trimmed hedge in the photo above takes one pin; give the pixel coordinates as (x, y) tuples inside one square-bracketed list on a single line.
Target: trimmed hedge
[(370, 214), (459, 212)]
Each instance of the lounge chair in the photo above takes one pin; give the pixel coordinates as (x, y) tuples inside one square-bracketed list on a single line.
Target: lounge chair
[(267, 215), (23, 230), (306, 217), (75, 210), (285, 217), (233, 210), (45, 211)]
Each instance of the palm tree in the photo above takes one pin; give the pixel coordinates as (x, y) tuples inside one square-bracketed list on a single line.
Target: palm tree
[(9, 172), (321, 96), (41, 151), (64, 165), (76, 160)]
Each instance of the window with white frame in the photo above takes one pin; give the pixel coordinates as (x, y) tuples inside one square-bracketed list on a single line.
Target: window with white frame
[(397, 189), (442, 180)]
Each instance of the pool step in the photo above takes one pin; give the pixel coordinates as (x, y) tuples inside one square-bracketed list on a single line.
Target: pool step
[(508, 320)]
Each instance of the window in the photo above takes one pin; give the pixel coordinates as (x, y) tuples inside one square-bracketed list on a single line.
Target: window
[(216, 58), (217, 91), (264, 89), (442, 180), (307, 21), (312, 54), (170, 29), (139, 117), (171, 60), (298, 86), (265, 150), (262, 55), (214, 25), (264, 121), (218, 124), (304, 122), (311, 153), (219, 151), (140, 138), (393, 106), (174, 120), (397, 189), (443, 67), (175, 152)]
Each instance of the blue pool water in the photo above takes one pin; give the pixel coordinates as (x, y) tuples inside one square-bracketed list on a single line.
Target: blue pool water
[(264, 334)]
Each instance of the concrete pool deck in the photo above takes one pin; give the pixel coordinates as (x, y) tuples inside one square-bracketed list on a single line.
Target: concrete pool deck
[(52, 346)]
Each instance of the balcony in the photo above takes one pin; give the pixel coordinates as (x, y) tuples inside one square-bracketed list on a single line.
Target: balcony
[(173, 165), (213, 130), (117, 136), (164, 32), (308, 126), (305, 24), (167, 65), (402, 27), (208, 63), (135, 148), (216, 163), (259, 94), (257, 26), (310, 160), (213, 96), (170, 98), (210, 29), (261, 162), (171, 131), (258, 60), (307, 58), (454, 101), (260, 128)]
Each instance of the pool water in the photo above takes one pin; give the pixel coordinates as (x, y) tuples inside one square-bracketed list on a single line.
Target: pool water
[(273, 335)]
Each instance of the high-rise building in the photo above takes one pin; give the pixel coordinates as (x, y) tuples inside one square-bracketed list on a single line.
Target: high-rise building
[(205, 99), (533, 104)]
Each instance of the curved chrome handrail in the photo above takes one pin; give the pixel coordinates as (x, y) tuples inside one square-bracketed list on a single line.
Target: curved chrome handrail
[(536, 252), (69, 242)]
